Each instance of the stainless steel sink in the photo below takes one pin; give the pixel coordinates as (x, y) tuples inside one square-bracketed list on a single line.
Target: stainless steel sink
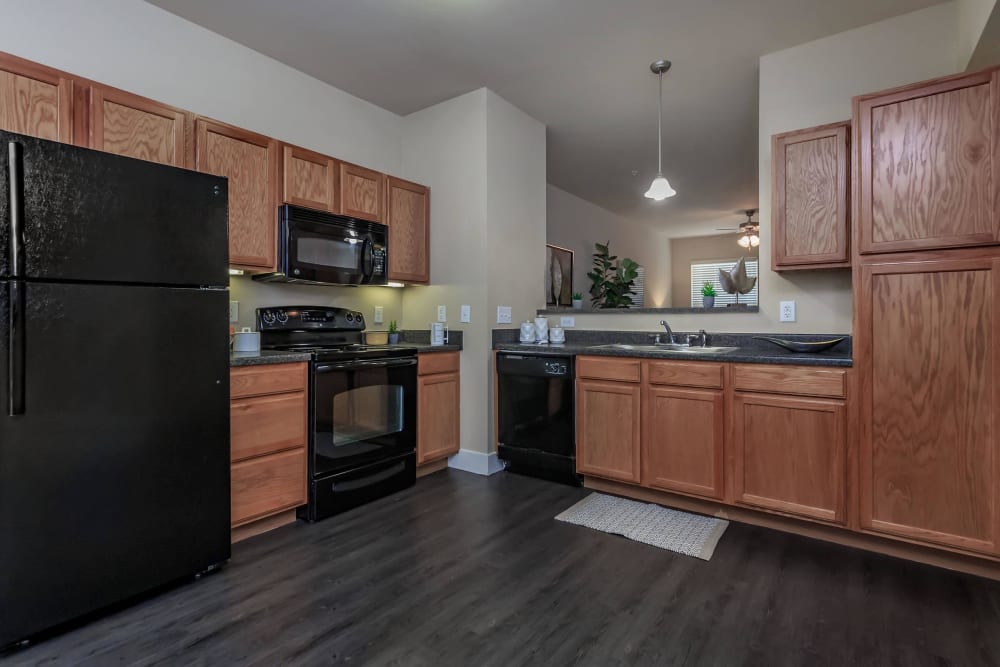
[(665, 347)]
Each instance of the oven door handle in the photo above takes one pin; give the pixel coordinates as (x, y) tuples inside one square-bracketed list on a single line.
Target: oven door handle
[(361, 365)]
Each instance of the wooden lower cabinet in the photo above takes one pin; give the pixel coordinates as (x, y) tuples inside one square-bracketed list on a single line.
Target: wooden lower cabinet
[(682, 440), (438, 402), (269, 432), (791, 455), (607, 429)]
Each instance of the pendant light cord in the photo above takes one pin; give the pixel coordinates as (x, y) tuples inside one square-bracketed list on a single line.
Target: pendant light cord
[(659, 131)]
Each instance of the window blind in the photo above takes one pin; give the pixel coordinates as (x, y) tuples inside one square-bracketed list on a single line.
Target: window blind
[(639, 288), (702, 272)]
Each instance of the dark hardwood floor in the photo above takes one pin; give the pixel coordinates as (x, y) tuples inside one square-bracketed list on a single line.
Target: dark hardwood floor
[(466, 570)]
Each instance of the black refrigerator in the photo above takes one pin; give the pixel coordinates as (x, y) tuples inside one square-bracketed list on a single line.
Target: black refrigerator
[(114, 380)]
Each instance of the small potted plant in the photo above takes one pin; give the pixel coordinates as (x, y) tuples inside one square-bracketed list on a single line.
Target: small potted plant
[(393, 333), (708, 295), (577, 301)]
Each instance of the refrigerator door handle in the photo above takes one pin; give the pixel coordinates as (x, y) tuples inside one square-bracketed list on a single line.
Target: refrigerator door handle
[(15, 192), (16, 348)]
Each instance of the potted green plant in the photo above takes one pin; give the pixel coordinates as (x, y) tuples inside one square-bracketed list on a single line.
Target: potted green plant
[(611, 281), (708, 294), (577, 301), (393, 333)]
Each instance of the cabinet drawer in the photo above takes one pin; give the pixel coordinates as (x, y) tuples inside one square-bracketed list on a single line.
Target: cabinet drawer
[(437, 362), (262, 380), (800, 380), (608, 368), (685, 374), (267, 485), (267, 424)]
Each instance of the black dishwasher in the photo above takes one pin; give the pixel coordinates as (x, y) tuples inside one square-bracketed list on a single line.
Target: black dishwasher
[(536, 422)]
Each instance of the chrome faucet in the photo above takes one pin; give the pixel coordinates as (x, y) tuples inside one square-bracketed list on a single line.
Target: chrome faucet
[(670, 332)]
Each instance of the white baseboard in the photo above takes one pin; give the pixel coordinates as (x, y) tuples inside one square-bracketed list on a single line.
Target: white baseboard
[(477, 462)]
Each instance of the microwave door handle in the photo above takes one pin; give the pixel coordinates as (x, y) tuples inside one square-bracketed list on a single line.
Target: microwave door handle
[(367, 259)]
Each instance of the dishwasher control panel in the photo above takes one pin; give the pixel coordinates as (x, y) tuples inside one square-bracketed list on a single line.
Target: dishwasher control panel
[(556, 368)]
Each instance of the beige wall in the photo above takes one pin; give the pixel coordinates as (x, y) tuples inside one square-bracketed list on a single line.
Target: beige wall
[(973, 17), (693, 249), (808, 85), (576, 224)]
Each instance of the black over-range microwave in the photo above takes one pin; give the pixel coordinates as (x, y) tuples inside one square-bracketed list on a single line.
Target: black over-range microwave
[(327, 249)]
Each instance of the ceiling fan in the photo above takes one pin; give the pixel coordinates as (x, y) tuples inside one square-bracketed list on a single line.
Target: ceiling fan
[(749, 230)]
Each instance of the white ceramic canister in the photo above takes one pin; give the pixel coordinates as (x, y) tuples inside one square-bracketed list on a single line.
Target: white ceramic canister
[(542, 329), (528, 332), (557, 335), (246, 340)]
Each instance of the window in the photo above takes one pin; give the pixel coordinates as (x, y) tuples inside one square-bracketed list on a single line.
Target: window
[(639, 288), (702, 272)]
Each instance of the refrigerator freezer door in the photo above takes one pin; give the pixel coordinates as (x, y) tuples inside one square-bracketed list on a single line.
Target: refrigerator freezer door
[(96, 217), (115, 479)]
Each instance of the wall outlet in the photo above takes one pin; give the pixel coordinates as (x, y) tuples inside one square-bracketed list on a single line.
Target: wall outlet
[(234, 311), (379, 315), (787, 311), (503, 314), (566, 322), (442, 314), (466, 313)]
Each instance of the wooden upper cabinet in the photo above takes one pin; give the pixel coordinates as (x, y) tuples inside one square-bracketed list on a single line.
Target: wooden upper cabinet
[(790, 455), (810, 214), (309, 179), (928, 342), (929, 165), (607, 429), (361, 193), (130, 125), (408, 209), (35, 100), (251, 163)]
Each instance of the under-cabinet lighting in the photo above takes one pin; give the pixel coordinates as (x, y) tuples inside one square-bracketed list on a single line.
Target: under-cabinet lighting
[(395, 284), (236, 272)]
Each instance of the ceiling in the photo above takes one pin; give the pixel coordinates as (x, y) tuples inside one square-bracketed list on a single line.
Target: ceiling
[(579, 66)]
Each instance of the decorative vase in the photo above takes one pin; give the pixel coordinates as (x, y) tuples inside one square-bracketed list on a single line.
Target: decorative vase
[(708, 301), (394, 339), (577, 304)]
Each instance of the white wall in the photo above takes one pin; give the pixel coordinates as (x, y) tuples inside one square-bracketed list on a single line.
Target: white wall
[(809, 85), (973, 15), (577, 224)]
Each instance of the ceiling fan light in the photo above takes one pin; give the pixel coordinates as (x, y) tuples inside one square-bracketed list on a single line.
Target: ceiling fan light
[(754, 240), (744, 242), (660, 189)]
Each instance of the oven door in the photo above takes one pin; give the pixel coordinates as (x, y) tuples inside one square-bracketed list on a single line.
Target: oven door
[(322, 248), (363, 412)]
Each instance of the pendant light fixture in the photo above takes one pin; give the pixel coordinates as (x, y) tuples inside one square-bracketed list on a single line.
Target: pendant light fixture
[(660, 188)]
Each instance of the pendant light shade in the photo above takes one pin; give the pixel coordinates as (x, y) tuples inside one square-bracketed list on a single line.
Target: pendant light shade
[(660, 188)]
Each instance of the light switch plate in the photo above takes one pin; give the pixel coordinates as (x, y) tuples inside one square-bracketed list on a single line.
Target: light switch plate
[(503, 314), (566, 322), (442, 314), (379, 315), (466, 313), (234, 311), (787, 311)]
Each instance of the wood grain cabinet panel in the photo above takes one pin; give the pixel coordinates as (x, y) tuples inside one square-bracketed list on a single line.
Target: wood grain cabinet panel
[(250, 162), (929, 165), (682, 440), (267, 424), (130, 125), (361, 193), (35, 100), (407, 213), (309, 179), (810, 214), (267, 485), (791, 455), (607, 429), (267, 379), (609, 368), (429, 363), (438, 401), (798, 380), (929, 338)]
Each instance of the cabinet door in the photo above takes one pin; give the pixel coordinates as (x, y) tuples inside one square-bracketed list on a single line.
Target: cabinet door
[(408, 216), (682, 436), (929, 170), (791, 455), (929, 337), (266, 485), (35, 100), (250, 161), (607, 429), (810, 212), (437, 416), (126, 124), (309, 179), (361, 192)]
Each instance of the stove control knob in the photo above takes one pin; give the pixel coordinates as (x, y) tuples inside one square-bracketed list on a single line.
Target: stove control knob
[(350, 317), (282, 316), (268, 317), (359, 319)]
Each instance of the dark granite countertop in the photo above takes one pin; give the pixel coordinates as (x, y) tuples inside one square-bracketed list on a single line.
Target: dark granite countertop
[(566, 310), (748, 349)]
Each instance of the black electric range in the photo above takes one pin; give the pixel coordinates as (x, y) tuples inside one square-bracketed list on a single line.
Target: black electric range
[(363, 406)]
